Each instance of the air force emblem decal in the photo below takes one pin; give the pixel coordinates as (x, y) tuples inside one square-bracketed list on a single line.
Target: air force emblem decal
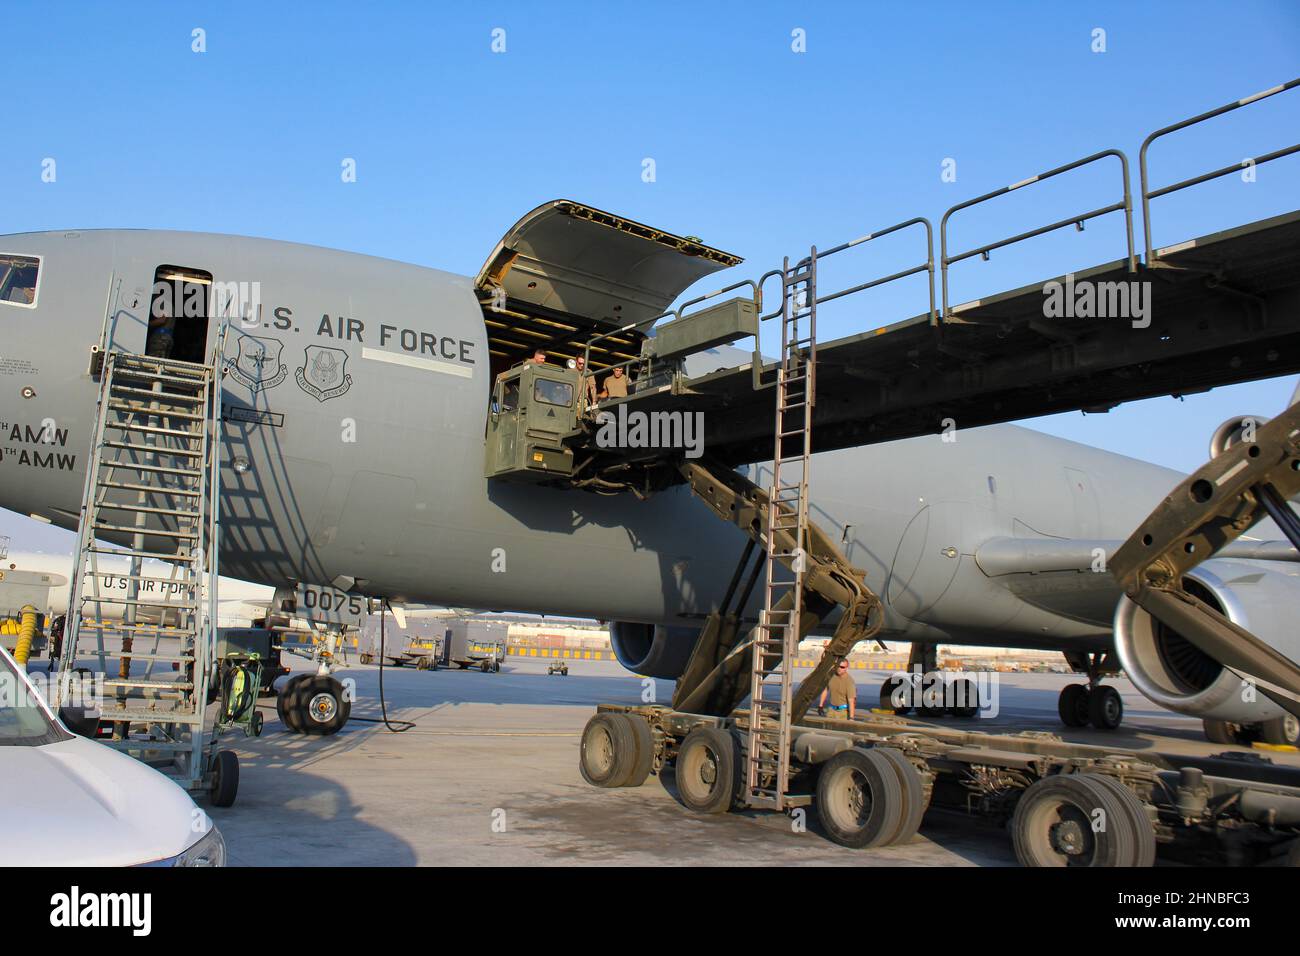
[(257, 366), (323, 373)]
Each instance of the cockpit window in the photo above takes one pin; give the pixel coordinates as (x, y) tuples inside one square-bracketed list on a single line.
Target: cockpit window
[(18, 275)]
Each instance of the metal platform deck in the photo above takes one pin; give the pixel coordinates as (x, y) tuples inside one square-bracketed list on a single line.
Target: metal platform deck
[(1223, 309)]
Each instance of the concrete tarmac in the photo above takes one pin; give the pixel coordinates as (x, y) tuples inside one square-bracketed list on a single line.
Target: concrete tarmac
[(489, 776)]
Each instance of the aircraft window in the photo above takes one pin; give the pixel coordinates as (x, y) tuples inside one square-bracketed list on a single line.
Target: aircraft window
[(553, 393), (18, 275)]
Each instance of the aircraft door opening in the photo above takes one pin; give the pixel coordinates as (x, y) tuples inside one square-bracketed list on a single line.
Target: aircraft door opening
[(178, 314)]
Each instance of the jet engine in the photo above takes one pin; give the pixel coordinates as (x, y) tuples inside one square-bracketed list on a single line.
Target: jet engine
[(653, 649), (1174, 673)]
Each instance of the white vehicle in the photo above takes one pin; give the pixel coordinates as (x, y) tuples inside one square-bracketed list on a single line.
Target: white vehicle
[(72, 802)]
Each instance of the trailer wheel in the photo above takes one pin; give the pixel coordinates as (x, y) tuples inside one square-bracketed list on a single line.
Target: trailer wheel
[(1072, 705), (322, 706), (708, 770), (284, 707), (607, 752), (225, 778), (1072, 820), (1105, 708), (887, 690), (644, 749), (859, 799), (1144, 844), (913, 790), (366, 658)]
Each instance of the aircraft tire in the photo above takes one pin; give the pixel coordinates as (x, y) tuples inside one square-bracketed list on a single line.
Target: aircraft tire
[(914, 801), (323, 709), (1221, 731), (887, 695), (607, 751), (1105, 708), (1284, 730), (860, 799), (284, 709), (645, 750), (708, 770), (963, 698), (1072, 705), (1053, 824)]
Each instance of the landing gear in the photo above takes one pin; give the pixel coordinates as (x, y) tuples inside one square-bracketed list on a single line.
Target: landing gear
[(1105, 709), (1092, 703), (313, 704), (1280, 731), (924, 689)]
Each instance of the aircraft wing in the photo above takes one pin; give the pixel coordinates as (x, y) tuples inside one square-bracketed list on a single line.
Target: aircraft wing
[(1002, 556), (1056, 573)]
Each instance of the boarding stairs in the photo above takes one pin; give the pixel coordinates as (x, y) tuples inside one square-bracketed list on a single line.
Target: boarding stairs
[(154, 481)]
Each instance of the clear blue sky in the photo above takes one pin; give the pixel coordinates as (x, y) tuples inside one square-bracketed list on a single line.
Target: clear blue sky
[(758, 149)]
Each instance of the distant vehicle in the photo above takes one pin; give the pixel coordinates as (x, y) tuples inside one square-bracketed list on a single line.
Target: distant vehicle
[(475, 643), (558, 667), (72, 802)]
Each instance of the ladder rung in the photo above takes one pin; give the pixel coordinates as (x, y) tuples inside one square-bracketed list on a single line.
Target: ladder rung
[(153, 450), (155, 430), (153, 629), (129, 409), (176, 658), (146, 509), (152, 489), (136, 602), (154, 469), (148, 532), (133, 553), (169, 398), (142, 684), (127, 371)]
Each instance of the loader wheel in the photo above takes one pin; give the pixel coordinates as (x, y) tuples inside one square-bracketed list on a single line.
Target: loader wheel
[(1072, 705), (859, 799), (322, 706), (289, 716), (607, 753), (1145, 834), (913, 790), (225, 778), (708, 770), (1222, 732), (1074, 820), (645, 750)]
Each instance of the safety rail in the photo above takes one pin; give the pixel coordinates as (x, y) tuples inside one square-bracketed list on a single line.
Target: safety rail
[(1126, 205), (1149, 194)]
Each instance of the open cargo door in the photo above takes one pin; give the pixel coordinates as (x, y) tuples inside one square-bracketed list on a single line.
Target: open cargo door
[(567, 272)]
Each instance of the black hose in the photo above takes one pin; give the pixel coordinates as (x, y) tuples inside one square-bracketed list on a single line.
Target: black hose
[(383, 704)]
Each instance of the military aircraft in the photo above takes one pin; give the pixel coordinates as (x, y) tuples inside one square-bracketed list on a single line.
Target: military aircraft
[(360, 400)]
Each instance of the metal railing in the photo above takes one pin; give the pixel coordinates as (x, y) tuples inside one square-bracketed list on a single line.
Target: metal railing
[(1125, 204), (1149, 194)]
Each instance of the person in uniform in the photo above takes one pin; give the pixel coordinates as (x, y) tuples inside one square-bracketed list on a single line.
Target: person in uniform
[(842, 693), (616, 383)]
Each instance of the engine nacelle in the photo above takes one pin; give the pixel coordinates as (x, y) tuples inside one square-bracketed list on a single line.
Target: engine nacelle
[(653, 649), (1174, 673)]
